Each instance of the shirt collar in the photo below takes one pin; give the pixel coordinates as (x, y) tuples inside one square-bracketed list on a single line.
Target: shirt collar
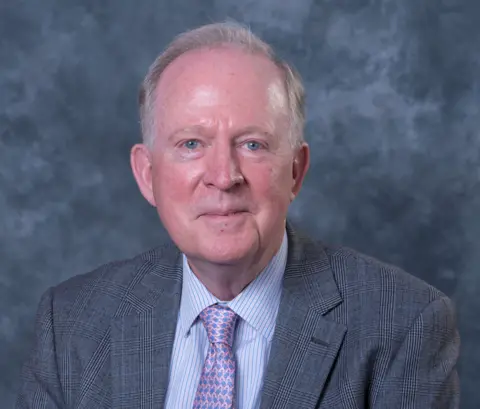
[(257, 304)]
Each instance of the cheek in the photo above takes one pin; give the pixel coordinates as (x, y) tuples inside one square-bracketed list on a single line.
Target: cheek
[(173, 184), (273, 183), (281, 176)]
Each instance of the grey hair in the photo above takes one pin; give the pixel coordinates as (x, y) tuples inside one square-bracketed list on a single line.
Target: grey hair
[(218, 35)]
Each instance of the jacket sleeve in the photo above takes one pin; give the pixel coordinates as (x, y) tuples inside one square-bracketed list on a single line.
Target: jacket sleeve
[(40, 386), (422, 374)]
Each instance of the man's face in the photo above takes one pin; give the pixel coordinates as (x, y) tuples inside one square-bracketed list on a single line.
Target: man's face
[(222, 171)]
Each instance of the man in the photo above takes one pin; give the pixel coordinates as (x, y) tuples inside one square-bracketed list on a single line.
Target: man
[(240, 310)]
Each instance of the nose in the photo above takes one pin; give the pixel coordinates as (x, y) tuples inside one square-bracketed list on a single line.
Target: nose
[(222, 168)]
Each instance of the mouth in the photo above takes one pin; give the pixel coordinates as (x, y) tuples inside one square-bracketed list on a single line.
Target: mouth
[(225, 220), (225, 214)]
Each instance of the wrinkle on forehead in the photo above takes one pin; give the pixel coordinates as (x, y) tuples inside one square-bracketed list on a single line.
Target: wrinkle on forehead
[(227, 77), (205, 95)]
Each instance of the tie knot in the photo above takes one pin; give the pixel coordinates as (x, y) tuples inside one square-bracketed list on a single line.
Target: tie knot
[(219, 321)]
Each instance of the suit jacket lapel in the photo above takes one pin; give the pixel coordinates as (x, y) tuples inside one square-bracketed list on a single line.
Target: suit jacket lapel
[(305, 343), (143, 332), (303, 350)]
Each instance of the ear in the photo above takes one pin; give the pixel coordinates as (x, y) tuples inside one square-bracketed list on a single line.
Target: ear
[(301, 163), (141, 163)]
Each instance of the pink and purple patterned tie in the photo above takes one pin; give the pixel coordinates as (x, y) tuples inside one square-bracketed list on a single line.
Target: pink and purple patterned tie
[(217, 382)]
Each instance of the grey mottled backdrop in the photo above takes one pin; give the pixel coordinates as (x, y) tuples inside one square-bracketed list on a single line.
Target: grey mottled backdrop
[(394, 126)]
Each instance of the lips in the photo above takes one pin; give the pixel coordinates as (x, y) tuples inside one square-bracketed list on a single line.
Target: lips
[(223, 213)]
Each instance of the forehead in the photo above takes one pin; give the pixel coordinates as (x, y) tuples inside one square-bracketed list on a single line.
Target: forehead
[(225, 82)]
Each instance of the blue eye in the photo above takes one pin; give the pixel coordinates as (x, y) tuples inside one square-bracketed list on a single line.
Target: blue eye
[(191, 144), (253, 146)]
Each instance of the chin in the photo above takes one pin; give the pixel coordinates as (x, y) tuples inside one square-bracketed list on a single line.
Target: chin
[(226, 252), (227, 248)]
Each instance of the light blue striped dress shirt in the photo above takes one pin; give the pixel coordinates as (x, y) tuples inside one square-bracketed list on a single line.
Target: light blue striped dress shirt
[(257, 307)]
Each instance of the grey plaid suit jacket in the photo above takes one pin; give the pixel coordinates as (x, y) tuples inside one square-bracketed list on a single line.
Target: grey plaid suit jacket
[(351, 333)]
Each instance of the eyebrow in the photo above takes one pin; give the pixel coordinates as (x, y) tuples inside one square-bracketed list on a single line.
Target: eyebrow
[(188, 129), (203, 130)]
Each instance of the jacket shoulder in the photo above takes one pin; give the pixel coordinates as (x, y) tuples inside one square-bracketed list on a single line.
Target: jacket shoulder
[(378, 291), (369, 272), (102, 290)]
